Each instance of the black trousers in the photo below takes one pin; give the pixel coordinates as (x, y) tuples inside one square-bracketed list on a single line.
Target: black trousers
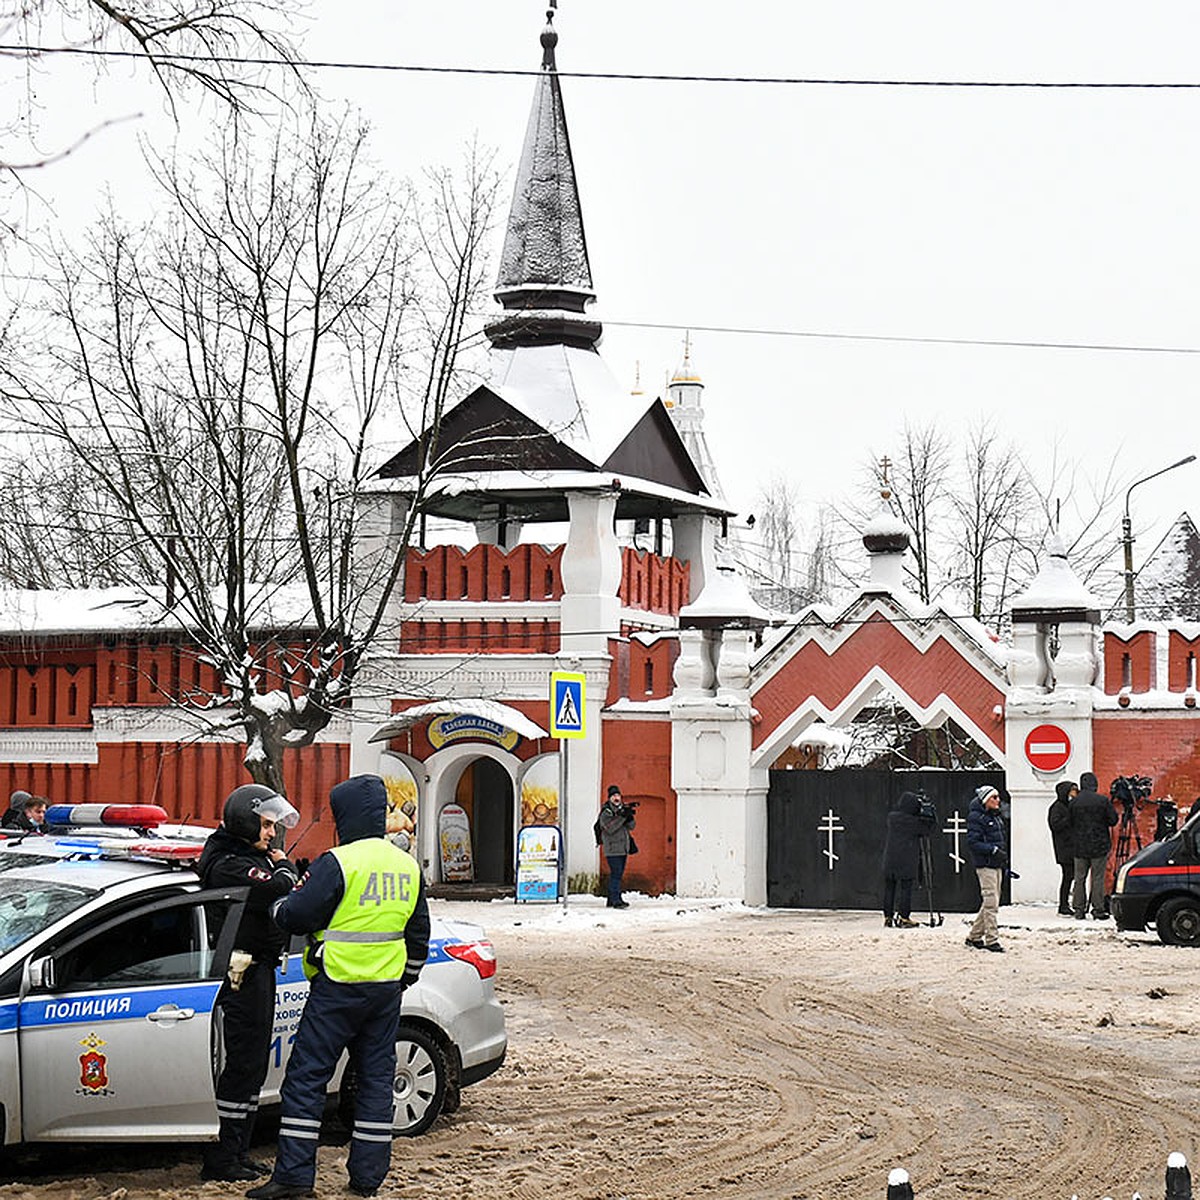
[(1064, 888), (897, 896), (248, 1021), (362, 1018)]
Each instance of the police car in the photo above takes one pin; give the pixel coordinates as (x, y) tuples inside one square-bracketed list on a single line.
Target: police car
[(111, 956), (1161, 884)]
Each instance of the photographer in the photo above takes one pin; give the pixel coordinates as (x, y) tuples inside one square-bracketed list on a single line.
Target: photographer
[(1092, 819), (907, 824), (615, 821)]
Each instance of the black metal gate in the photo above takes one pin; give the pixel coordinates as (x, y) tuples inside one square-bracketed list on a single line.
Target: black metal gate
[(825, 834)]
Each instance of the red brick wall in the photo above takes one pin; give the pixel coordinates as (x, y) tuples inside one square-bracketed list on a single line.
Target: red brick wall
[(190, 781), (831, 678), (653, 583), (526, 572), (1182, 655), (1167, 748), (637, 757), (1140, 651)]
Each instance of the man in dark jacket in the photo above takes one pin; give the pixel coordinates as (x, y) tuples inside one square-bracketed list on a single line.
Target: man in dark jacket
[(26, 813), (1058, 817), (989, 853), (906, 826), (238, 854), (1092, 819), (615, 825), (363, 907)]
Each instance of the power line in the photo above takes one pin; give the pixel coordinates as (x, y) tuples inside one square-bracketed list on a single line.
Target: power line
[(627, 76), (888, 337)]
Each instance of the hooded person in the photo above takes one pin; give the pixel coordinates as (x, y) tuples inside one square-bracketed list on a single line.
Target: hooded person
[(16, 816), (1058, 817), (239, 854), (362, 906), (1092, 819), (988, 846), (907, 824)]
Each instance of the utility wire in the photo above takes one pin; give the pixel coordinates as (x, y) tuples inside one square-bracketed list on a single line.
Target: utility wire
[(632, 76), (886, 337)]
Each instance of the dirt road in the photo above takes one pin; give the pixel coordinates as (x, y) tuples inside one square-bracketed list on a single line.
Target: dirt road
[(693, 1051)]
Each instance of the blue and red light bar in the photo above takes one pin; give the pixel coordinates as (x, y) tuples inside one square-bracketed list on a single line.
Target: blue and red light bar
[(127, 816)]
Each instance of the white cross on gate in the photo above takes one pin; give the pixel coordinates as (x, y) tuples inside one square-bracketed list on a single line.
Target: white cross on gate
[(956, 827), (830, 825)]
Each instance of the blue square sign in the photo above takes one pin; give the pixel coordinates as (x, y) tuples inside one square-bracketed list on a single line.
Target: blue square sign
[(567, 694)]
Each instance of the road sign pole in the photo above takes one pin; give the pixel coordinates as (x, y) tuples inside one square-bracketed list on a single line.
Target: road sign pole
[(563, 778), (568, 720)]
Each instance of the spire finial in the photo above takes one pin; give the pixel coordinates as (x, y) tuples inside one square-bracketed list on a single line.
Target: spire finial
[(549, 38), (885, 490)]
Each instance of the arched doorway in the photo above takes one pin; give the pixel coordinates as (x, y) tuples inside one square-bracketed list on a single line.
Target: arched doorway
[(485, 793)]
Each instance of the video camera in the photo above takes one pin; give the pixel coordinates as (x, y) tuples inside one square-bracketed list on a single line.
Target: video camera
[(927, 811), (630, 803), (1131, 789)]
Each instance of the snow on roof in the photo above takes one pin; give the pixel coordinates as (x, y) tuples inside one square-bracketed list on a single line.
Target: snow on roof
[(570, 392), (1168, 585), (1055, 586), (550, 481), (51, 611), (820, 734), (474, 706)]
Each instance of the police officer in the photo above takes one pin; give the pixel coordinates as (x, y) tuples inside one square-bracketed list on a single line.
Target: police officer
[(363, 906), (239, 854)]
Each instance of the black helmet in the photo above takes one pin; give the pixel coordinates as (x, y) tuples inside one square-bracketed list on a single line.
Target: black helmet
[(245, 806)]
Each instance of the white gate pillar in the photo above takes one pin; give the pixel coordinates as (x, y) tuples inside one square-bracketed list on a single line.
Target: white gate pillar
[(1054, 665)]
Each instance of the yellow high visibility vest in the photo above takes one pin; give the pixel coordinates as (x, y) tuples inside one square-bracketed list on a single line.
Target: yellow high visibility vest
[(365, 939)]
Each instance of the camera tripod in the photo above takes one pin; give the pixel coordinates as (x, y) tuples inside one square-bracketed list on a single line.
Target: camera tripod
[(1128, 828), (927, 874)]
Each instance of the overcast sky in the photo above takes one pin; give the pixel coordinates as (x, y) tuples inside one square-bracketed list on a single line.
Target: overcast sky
[(995, 214)]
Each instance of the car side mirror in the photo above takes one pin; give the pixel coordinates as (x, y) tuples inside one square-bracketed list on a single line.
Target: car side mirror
[(42, 974)]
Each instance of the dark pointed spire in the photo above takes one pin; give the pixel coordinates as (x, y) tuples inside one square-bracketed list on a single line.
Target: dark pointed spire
[(545, 278)]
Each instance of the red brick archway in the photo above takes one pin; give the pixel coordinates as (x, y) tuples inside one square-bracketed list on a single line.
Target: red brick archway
[(938, 667)]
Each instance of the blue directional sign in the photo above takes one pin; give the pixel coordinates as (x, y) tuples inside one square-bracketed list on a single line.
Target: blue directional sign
[(567, 693)]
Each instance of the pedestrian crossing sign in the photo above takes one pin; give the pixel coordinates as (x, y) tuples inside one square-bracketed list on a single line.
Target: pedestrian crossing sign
[(567, 690)]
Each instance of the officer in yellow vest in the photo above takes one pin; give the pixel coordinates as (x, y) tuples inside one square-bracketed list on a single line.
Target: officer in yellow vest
[(363, 906)]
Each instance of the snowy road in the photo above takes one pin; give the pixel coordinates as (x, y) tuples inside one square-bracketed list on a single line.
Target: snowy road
[(686, 1050)]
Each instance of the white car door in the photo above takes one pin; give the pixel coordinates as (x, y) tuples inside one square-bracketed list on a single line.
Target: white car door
[(117, 1043)]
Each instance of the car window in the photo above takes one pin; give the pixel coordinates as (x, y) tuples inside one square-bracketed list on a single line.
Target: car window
[(161, 946), (29, 906)]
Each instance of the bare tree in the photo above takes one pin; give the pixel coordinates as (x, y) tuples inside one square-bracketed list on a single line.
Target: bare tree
[(223, 48), (1083, 506), (917, 480), (993, 508), (210, 393)]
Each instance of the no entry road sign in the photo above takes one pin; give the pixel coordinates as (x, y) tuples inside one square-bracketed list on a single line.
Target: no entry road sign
[(1048, 748)]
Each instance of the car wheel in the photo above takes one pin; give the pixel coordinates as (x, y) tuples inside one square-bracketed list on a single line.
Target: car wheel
[(1178, 922), (419, 1089)]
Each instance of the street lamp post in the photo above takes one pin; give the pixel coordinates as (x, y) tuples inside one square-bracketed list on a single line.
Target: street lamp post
[(1127, 533)]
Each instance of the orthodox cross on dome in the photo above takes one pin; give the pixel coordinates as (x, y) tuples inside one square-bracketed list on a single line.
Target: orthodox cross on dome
[(885, 488)]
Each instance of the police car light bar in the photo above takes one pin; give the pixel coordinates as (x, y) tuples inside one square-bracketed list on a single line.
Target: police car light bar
[(136, 816), (164, 851)]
